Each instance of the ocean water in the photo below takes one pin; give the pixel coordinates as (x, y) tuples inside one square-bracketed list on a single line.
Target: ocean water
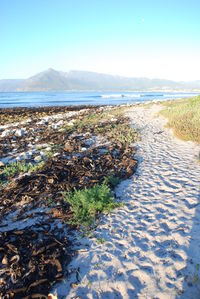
[(37, 99)]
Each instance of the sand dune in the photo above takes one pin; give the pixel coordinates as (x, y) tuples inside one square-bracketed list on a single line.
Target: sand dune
[(152, 244)]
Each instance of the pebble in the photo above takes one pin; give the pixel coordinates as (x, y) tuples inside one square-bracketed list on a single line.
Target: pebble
[(71, 122), (29, 153), (6, 133), (56, 125), (37, 158), (20, 132)]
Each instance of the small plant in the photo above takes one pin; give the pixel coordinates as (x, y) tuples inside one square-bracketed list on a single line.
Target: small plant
[(196, 274), (36, 167), (87, 203), (123, 133), (112, 180), (100, 240), (68, 129), (50, 201), (91, 119), (15, 168)]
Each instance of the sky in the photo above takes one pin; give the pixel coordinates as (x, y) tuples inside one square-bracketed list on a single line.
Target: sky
[(133, 38)]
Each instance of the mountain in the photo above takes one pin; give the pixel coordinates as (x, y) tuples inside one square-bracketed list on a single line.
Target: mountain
[(47, 80), (10, 84), (52, 80)]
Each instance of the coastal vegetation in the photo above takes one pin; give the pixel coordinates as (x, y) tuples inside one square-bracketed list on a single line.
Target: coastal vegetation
[(107, 123), (184, 118), (89, 202), (12, 169)]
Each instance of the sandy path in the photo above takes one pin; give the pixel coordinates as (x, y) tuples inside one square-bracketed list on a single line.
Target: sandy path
[(152, 247)]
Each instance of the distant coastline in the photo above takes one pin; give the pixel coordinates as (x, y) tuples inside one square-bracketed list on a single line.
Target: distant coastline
[(52, 80)]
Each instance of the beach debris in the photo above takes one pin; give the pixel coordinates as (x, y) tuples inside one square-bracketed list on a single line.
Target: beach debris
[(80, 155), (33, 259)]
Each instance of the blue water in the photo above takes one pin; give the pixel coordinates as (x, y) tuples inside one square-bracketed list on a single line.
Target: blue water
[(36, 99)]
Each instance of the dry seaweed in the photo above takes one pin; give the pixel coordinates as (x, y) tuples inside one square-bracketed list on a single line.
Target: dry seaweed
[(34, 257), (32, 260)]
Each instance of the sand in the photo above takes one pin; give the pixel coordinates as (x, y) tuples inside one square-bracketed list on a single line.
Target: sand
[(151, 246)]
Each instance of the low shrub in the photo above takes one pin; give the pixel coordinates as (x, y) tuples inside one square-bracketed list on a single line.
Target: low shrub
[(86, 204)]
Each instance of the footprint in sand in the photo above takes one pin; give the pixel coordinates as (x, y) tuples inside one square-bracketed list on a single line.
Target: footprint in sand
[(153, 243)]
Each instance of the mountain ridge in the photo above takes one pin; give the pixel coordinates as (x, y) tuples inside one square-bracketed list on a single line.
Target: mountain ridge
[(53, 80)]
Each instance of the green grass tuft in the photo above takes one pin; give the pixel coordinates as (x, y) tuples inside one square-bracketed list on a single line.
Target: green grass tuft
[(100, 240), (87, 203)]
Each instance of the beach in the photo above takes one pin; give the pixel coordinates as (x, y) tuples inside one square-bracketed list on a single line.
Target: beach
[(146, 247), (100, 149), (151, 245)]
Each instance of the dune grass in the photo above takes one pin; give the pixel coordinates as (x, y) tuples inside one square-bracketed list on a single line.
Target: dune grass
[(184, 117)]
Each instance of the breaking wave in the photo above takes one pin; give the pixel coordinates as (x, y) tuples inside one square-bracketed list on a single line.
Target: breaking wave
[(113, 96)]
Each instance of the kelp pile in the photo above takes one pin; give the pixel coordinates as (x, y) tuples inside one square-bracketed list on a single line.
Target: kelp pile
[(32, 260), (9, 115), (84, 148)]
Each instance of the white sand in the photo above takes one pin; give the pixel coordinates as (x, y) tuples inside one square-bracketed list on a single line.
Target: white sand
[(152, 247)]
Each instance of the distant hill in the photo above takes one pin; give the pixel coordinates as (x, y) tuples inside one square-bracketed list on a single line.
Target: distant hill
[(52, 80), (10, 84)]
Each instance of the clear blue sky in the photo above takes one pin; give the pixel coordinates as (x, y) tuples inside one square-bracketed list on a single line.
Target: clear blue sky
[(153, 38)]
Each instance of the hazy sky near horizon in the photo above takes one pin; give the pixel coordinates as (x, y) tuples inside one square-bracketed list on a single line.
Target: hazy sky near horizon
[(146, 38)]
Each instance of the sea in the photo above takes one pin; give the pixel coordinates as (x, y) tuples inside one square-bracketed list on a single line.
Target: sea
[(38, 99)]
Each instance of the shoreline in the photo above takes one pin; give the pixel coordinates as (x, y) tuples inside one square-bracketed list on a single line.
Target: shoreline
[(87, 98)]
